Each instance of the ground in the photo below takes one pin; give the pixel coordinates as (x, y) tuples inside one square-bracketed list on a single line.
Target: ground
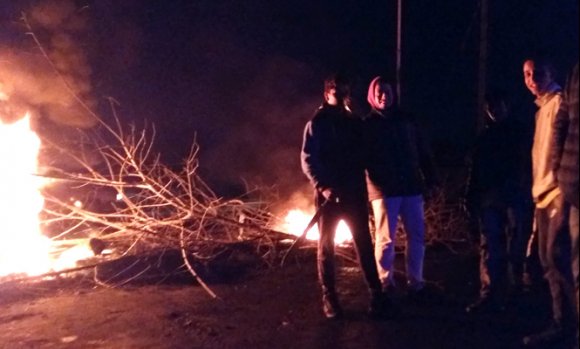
[(266, 308)]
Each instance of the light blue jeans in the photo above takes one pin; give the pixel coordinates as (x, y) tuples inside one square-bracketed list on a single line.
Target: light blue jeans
[(386, 213)]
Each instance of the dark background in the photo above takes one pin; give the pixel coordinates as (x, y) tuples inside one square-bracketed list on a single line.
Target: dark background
[(243, 77)]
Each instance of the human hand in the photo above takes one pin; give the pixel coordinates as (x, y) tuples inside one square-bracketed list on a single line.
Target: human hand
[(330, 195), (327, 193)]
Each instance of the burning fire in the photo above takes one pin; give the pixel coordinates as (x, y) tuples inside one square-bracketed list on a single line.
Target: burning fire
[(23, 247), (296, 221)]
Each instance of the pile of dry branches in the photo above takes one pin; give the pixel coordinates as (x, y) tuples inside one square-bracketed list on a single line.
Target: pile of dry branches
[(152, 207), (149, 207)]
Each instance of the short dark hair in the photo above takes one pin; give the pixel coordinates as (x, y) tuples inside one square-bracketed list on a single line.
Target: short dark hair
[(336, 79), (544, 63)]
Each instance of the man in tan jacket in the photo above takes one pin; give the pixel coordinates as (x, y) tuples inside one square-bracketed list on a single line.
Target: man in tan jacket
[(552, 211)]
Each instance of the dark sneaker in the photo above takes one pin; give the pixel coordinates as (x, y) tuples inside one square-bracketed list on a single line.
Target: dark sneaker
[(331, 307), (484, 305), (382, 307), (553, 333), (390, 290)]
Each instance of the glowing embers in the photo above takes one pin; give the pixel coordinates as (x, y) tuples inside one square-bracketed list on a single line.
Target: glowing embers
[(296, 221), (23, 249)]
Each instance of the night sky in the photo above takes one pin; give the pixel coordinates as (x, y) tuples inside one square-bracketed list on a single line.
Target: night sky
[(243, 77)]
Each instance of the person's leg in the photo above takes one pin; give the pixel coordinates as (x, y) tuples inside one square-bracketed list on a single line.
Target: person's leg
[(534, 272), (492, 265), (492, 254), (326, 259), (575, 261), (384, 245), (357, 218), (558, 250), (385, 212), (413, 218), (554, 251), (520, 232)]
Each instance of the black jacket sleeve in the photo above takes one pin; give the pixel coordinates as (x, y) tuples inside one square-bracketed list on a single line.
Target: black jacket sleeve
[(311, 156)]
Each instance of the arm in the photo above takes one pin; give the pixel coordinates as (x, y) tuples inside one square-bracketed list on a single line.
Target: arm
[(560, 131), (311, 156)]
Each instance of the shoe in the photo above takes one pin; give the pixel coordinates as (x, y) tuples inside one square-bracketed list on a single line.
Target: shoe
[(484, 305), (330, 307), (382, 307), (389, 289), (553, 333)]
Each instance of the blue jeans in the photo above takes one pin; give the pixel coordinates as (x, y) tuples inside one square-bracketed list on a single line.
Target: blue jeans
[(505, 231), (386, 213)]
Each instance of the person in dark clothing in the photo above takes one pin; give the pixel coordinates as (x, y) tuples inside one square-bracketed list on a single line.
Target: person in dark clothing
[(499, 197), (565, 165), (332, 158), (400, 168)]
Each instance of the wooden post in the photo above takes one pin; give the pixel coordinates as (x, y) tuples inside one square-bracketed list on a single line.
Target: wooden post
[(398, 53), (482, 65)]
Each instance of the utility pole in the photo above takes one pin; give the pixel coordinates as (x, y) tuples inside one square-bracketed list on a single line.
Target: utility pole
[(482, 63), (398, 53)]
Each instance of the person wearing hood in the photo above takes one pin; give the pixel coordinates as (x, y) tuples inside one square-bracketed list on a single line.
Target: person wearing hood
[(551, 209), (399, 171)]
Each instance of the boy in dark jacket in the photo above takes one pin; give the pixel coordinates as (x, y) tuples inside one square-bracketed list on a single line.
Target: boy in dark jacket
[(499, 196), (332, 158)]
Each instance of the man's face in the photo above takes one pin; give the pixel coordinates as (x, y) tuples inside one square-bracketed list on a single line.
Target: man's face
[(536, 78), (337, 94), (383, 96)]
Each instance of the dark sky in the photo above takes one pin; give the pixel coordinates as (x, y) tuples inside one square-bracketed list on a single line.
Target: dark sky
[(243, 77)]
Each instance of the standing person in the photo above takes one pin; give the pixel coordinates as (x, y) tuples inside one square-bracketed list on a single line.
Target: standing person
[(566, 164), (552, 211), (399, 168), (498, 194), (332, 158)]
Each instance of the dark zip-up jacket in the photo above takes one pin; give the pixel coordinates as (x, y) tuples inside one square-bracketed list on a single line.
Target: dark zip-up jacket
[(501, 171), (399, 161), (332, 154)]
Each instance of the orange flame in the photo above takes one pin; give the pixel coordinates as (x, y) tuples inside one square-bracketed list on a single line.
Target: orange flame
[(23, 247), (296, 221)]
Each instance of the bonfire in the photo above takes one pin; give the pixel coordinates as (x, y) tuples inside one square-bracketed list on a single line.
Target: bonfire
[(131, 204)]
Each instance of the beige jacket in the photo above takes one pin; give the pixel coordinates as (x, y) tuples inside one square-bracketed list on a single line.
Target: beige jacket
[(545, 186)]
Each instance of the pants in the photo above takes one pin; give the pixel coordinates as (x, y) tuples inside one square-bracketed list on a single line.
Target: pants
[(575, 261), (386, 213), (554, 251), (505, 232), (354, 211)]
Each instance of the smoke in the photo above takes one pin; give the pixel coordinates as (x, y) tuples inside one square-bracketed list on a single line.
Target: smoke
[(265, 126), (44, 69), (194, 69), (246, 106)]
